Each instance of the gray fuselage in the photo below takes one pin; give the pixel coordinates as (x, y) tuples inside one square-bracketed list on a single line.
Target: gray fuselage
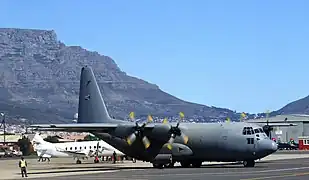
[(207, 141)]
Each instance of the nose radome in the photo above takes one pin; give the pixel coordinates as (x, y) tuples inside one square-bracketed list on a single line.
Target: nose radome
[(268, 146), (274, 146)]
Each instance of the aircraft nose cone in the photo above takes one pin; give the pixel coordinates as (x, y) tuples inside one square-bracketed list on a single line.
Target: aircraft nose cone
[(274, 146), (268, 146)]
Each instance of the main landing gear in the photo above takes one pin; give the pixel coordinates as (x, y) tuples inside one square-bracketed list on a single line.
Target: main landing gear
[(160, 166), (249, 163), (78, 161)]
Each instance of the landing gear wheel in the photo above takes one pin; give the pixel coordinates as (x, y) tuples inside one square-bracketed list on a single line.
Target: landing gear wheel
[(170, 165), (78, 161), (160, 166), (197, 164), (185, 164), (249, 163)]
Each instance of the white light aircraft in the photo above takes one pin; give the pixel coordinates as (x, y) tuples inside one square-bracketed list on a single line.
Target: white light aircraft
[(83, 149)]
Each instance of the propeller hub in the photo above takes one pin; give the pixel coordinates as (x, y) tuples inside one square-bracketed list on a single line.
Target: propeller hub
[(175, 130)]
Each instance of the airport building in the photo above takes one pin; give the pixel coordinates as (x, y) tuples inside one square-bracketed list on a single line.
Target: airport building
[(285, 134)]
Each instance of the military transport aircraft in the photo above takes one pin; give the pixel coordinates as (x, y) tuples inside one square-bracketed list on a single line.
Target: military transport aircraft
[(164, 144)]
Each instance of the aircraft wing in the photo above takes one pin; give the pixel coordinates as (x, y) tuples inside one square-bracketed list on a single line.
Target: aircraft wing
[(80, 127), (75, 153), (84, 127)]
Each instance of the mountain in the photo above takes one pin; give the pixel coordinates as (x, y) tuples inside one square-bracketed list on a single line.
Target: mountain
[(39, 81), (300, 106)]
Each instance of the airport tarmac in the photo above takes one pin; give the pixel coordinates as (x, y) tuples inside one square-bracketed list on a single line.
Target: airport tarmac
[(293, 166), (280, 169)]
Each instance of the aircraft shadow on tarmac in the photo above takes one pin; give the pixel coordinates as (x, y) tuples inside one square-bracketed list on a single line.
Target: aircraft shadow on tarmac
[(70, 169), (83, 169)]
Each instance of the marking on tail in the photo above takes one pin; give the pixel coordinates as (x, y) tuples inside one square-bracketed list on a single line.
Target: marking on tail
[(91, 108)]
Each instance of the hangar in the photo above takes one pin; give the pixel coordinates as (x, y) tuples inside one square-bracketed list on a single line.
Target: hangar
[(285, 134)]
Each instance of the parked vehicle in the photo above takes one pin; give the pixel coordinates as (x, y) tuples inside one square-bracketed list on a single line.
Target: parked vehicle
[(17, 153), (289, 146), (2, 153)]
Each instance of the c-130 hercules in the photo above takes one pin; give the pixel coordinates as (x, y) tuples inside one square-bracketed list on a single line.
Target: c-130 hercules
[(164, 144)]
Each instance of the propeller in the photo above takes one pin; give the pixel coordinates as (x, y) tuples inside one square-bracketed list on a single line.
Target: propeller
[(139, 131), (165, 121), (267, 128), (242, 116), (97, 150), (175, 131)]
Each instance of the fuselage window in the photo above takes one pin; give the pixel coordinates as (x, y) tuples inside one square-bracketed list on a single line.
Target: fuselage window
[(89, 147), (256, 131), (94, 147), (66, 148), (261, 130), (80, 147), (75, 148), (99, 147), (71, 148), (85, 147)]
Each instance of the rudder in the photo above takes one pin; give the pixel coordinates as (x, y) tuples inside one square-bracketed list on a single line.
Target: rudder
[(91, 106), (37, 139)]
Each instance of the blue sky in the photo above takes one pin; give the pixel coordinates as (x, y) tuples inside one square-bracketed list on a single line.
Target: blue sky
[(243, 55)]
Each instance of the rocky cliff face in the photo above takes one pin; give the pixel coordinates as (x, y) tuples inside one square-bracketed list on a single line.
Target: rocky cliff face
[(39, 81), (300, 106)]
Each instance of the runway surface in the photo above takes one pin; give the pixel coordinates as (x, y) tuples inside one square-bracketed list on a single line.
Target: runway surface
[(272, 170)]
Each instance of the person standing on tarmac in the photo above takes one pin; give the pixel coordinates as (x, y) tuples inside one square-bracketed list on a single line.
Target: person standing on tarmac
[(23, 167), (114, 157)]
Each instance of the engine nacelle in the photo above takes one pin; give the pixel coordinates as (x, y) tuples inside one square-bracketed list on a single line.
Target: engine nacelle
[(162, 159), (161, 132), (123, 130)]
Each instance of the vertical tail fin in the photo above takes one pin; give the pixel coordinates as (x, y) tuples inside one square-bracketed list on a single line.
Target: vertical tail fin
[(91, 107), (37, 139)]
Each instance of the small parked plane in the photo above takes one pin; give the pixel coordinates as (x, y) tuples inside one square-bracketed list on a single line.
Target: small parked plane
[(83, 149)]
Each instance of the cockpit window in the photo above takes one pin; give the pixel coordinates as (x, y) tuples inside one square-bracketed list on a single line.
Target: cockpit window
[(259, 130), (247, 131)]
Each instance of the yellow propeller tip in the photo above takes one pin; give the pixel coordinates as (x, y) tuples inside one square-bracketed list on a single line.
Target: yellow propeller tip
[(128, 141), (186, 139), (169, 146)]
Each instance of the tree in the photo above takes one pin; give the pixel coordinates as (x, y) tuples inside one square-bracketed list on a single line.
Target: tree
[(25, 146), (51, 139)]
